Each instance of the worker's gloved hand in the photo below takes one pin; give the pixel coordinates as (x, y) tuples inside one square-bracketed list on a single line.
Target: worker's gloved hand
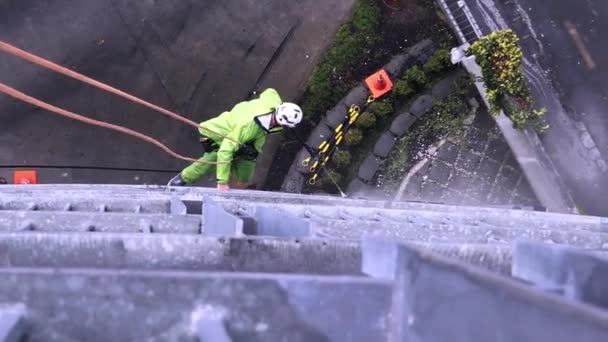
[(223, 187)]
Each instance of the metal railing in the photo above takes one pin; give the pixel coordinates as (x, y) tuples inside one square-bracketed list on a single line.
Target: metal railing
[(462, 20)]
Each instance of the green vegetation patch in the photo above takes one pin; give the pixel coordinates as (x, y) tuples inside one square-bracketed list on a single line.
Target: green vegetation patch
[(328, 81), (500, 57)]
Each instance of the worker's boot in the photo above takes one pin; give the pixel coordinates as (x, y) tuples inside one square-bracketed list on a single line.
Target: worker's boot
[(177, 181)]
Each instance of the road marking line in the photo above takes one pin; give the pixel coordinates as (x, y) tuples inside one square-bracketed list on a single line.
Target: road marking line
[(580, 45)]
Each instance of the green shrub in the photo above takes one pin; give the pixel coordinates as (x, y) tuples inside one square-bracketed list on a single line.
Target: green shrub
[(416, 77), (341, 159), (367, 16), (325, 181), (500, 58), (402, 90), (381, 109), (353, 137), (366, 120), (438, 63)]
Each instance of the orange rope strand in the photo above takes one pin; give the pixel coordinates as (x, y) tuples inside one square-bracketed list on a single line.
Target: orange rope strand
[(38, 103), (10, 49)]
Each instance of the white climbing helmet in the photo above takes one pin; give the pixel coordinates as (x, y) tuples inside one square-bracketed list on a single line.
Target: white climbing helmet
[(289, 114)]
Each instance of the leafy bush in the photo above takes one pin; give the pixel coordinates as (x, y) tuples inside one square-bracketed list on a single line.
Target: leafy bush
[(353, 137), (500, 58), (438, 63), (341, 159), (402, 90), (366, 120), (381, 109), (325, 181), (397, 163), (416, 77)]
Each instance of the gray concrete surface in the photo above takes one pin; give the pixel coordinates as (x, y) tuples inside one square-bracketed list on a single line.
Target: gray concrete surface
[(158, 287), (197, 58)]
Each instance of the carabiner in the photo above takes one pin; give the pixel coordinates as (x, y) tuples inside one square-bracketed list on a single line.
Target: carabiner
[(313, 180)]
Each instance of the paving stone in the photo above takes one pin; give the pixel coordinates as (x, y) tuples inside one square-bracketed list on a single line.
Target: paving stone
[(402, 123), (452, 197), (336, 115), (467, 160), (421, 105), (477, 140), (497, 149), (480, 190), (385, 145), (488, 170), (357, 96), (440, 172), (483, 120), (318, 135), (368, 169), (508, 178), (431, 192), (461, 181), (448, 153), (500, 196)]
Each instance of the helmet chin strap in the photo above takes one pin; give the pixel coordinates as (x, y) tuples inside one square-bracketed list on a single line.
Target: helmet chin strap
[(273, 119)]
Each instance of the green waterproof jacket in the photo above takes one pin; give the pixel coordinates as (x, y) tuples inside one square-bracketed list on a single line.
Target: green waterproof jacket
[(240, 125)]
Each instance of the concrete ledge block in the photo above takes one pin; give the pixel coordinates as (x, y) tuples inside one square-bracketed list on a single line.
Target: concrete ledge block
[(577, 274), (261, 307), (481, 304), (218, 222), (12, 322)]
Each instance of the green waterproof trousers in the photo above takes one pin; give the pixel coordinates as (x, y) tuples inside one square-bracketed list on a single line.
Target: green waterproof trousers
[(240, 170)]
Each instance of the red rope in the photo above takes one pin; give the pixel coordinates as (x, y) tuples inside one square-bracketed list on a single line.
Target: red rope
[(38, 103)]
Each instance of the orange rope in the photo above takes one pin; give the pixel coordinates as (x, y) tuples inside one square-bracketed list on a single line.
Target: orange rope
[(10, 49), (36, 102)]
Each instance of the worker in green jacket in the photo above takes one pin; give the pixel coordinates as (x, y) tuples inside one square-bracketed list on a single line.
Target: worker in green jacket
[(235, 138)]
